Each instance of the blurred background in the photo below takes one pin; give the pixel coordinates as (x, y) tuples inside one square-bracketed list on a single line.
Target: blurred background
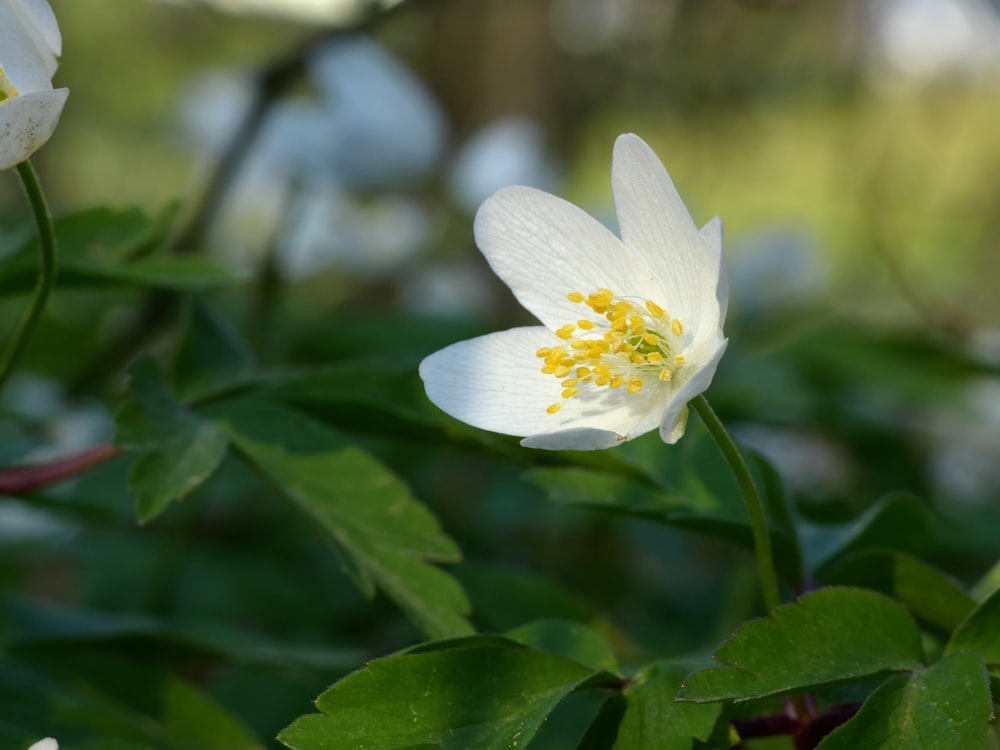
[(332, 154)]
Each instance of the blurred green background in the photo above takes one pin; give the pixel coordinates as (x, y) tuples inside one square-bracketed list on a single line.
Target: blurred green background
[(852, 148)]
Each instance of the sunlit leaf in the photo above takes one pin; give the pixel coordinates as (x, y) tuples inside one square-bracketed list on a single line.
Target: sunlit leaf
[(385, 537), (980, 631), (945, 706), (477, 693), (929, 594), (829, 636)]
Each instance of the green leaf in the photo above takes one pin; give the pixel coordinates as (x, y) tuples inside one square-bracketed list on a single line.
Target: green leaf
[(929, 594), (108, 247), (980, 631), (65, 693), (211, 356), (570, 640), (654, 718), (897, 522), (178, 450), (481, 693), (694, 506), (385, 536), (944, 707), (831, 635)]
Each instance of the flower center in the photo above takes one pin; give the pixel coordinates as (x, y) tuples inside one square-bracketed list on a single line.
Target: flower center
[(631, 344), (7, 89)]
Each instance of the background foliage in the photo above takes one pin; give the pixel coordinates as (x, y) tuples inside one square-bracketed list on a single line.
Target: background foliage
[(260, 237)]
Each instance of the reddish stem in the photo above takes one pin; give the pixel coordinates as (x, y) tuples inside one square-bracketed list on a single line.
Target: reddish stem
[(21, 479)]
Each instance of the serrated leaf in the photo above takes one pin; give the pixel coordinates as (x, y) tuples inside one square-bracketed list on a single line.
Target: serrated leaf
[(571, 640), (929, 594), (980, 631), (177, 449), (654, 718), (946, 706), (386, 538), (485, 694), (831, 635)]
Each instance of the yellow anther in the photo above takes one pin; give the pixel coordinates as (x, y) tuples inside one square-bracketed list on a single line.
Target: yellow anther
[(630, 344)]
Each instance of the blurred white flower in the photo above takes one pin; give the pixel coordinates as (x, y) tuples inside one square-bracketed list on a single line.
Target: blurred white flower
[(929, 38), (336, 12), (507, 152), (632, 327), (30, 45), (371, 127), (47, 744)]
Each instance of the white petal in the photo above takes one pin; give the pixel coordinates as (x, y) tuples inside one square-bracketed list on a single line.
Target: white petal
[(711, 233), (544, 247), (674, 418), (27, 122), (47, 744), (495, 382), (654, 221), (30, 43)]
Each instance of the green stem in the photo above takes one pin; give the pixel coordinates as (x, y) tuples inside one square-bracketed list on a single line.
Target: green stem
[(758, 523), (46, 269)]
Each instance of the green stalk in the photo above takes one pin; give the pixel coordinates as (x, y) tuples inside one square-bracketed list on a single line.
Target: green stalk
[(758, 523), (46, 269)]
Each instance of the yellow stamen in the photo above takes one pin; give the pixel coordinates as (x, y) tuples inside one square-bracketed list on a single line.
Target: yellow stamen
[(628, 342)]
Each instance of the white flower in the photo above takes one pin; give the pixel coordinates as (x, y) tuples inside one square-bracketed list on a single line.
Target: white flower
[(29, 108), (632, 327), (47, 744)]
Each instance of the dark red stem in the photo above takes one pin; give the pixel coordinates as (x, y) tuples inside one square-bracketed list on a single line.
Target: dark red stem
[(21, 479)]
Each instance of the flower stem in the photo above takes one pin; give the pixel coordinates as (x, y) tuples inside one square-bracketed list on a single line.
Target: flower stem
[(758, 523), (46, 269)]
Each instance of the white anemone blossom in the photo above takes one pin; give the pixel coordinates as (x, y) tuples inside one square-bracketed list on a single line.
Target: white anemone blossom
[(30, 45), (631, 326)]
